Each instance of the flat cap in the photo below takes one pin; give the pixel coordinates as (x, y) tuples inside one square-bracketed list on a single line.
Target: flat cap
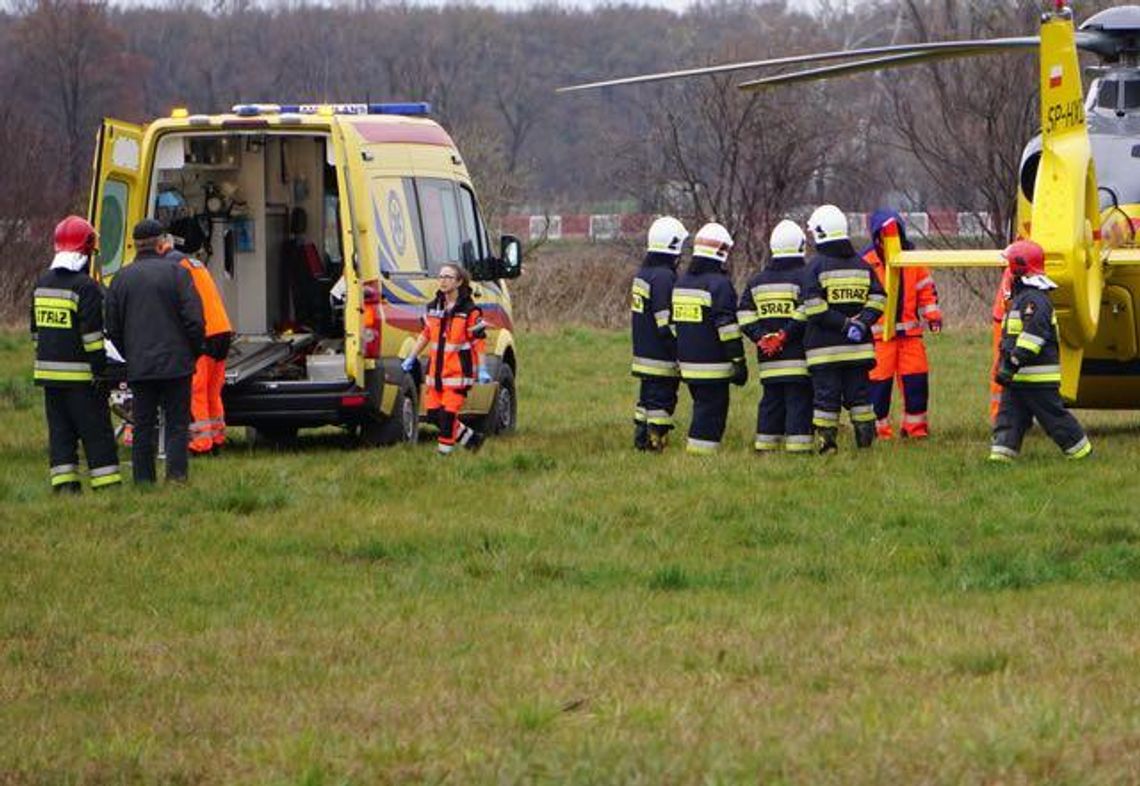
[(147, 229)]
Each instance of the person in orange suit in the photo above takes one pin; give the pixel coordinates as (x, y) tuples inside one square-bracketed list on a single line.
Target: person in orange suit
[(1001, 305), (454, 333), (903, 358), (208, 423)]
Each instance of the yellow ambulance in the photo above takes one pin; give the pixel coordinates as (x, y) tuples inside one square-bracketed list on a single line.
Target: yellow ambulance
[(324, 227)]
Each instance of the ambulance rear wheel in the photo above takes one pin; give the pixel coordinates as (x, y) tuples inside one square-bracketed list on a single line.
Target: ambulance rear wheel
[(403, 425), (505, 409)]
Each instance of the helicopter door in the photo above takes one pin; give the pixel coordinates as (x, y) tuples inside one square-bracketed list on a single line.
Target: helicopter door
[(116, 201)]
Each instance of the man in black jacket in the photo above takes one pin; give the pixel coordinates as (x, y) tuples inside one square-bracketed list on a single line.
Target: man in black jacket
[(67, 328), (154, 319)]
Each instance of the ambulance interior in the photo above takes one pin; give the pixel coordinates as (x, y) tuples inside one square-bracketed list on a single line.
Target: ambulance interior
[(262, 212)]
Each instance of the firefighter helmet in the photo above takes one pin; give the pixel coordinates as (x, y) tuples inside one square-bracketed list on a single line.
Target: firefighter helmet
[(787, 240), (713, 242), (1025, 258), (666, 236), (828, 223), (75, 234), (1026, 261)]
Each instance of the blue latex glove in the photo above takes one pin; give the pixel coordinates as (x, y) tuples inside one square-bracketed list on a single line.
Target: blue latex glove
[(408, 363), (856, 333), (484, 377)]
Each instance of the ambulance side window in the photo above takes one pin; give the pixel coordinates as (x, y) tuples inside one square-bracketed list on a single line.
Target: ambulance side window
[(472, 226), (439, 217), (113, 226)]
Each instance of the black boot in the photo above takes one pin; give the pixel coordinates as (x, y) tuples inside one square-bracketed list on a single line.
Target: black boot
[(68, 488), (825, 438), (641, 435), (864, 434), (657, 438), (474, 442)]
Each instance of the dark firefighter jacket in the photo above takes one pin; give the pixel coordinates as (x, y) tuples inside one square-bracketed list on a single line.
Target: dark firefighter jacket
[(154, 318), (654, 345), (1029, 335), (773, 301), (67, 327), (704, 314), (838, 286)]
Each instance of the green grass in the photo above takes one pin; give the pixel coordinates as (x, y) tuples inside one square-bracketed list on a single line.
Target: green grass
[(561, 609)]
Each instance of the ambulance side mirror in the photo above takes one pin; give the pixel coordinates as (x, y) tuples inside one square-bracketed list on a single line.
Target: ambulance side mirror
[(510, 257)]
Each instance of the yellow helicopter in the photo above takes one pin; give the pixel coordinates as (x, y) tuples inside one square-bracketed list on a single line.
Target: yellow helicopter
[(1086, 226)]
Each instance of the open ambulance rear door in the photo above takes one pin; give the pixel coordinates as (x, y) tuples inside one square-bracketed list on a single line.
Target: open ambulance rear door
[(117, 201)]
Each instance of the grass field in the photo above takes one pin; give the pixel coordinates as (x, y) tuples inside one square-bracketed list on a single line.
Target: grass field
[(560, 609)]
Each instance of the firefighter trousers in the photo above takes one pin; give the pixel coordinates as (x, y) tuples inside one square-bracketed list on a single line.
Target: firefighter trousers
[(1020, 405), (783, 419), (656, 402), (443, 408), (208, 424), (838, 386), (76, 414), (173, 396), (903, 358), (710, 416)]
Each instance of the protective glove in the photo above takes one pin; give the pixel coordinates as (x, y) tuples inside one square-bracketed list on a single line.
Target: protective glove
[(739, 372), (484, 377), (408, 363), (771, 344), (855, 331), (935, 325), (1006, 369)]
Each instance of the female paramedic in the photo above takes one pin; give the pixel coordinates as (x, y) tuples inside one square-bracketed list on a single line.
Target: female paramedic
[(454, 329)]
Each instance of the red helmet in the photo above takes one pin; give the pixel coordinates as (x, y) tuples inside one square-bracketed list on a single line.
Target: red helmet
[(75, 234), (1025, 258)]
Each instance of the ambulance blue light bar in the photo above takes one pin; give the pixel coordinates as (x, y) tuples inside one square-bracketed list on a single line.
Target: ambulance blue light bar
[(408, 108)]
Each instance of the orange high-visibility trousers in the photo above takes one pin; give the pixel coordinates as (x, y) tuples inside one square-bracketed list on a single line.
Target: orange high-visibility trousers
[(208, 424), (902, 358), (995, 388), (443, 407)]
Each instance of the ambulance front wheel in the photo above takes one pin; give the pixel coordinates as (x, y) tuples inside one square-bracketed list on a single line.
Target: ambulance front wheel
[(505, 410), (403, 425)]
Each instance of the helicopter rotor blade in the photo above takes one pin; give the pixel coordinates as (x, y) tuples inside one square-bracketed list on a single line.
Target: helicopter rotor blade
[(893, 61), (956, 47)]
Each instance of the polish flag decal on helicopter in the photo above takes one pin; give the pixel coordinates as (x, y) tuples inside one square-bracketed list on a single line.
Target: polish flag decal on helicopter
[(1056, 76)]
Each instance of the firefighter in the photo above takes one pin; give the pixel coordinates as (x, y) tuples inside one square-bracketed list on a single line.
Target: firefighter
[(1029, 369), (67, 329), (208, 416), (710, 350), (456, 333), (903, 358), (843, 299), (654, 345), (772, 316), (154, 318)]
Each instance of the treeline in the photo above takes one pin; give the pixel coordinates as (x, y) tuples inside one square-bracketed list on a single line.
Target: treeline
[(947, 134)]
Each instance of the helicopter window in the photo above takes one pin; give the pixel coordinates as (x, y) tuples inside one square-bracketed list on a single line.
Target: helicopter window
[(1132, 94), (1106, 96)]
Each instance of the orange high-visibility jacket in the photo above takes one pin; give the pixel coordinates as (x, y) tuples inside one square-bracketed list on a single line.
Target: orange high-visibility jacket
[(918, 301), (217, 321), (455, 342)]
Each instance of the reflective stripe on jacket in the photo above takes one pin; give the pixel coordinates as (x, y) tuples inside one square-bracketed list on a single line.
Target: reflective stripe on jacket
[(67, 328), (839, 286), (918, 300), (704, 314), (1029, 337), (773, 301), (654, 345), (456, 337)]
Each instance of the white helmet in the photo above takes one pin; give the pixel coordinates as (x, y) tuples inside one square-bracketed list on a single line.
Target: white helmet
[(712, 242), (787, 240), (828, 223), (666, 236)]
